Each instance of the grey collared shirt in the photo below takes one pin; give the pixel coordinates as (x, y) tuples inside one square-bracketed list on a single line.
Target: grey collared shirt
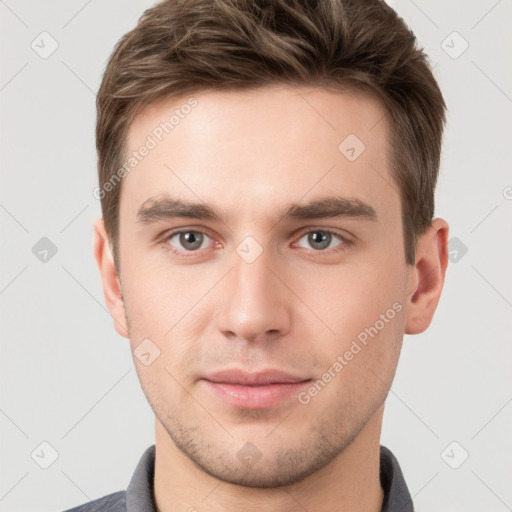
[(138, 496)]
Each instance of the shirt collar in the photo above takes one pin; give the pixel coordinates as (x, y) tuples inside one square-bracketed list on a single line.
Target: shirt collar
[(396, 494)]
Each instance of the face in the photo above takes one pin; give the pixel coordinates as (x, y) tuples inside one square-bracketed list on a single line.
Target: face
[(263, 270)]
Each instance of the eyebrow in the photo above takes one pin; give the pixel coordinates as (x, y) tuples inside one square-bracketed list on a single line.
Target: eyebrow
[(164, 207)]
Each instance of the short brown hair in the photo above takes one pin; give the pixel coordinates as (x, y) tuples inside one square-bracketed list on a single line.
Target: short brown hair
[(185, 46)]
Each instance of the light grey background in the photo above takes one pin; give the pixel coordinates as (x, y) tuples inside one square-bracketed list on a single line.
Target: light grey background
[(67, 377)]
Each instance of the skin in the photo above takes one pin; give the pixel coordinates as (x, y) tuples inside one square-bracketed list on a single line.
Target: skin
[(297, 307)]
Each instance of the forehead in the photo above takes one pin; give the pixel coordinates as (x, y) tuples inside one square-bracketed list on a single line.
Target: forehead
[(254, 150)]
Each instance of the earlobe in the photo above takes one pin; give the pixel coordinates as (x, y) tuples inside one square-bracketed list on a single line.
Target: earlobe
[(109, 277), (427, 277)]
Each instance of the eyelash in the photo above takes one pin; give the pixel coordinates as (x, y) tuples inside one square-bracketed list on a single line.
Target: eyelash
[(346, 241)]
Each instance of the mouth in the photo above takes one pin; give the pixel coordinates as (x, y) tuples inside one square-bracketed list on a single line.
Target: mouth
[(257, 390)]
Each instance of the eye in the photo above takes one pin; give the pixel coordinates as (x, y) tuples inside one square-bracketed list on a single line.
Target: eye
[(187, 240), (321, 239), (191, 241)]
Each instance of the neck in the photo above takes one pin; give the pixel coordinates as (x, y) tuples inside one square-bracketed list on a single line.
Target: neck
[(351, 482)]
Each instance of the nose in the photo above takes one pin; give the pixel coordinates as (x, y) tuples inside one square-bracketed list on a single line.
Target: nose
[(257, 305)]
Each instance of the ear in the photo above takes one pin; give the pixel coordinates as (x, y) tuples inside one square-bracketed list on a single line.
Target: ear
[(109, 277), (426, 277)]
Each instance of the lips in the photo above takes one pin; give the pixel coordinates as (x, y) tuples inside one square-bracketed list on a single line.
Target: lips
[(261, 378), (256, 390)]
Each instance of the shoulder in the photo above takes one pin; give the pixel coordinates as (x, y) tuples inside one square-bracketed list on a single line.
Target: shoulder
[(115, 502)]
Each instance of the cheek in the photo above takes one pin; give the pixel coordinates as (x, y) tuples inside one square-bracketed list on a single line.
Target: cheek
[(364, 306), (162, 308), (156, 297)]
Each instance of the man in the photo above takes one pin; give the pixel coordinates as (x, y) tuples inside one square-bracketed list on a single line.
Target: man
[(267, 173)]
